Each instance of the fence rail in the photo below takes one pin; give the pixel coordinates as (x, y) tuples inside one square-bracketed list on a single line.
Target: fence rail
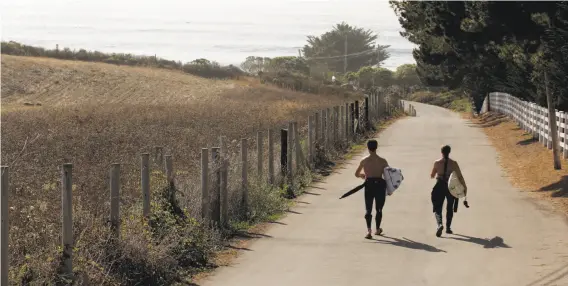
[(339, 125), (531, 117)]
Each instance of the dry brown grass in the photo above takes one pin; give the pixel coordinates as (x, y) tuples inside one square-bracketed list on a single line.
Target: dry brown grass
[(52, 82), (528, 163), (94, 114)]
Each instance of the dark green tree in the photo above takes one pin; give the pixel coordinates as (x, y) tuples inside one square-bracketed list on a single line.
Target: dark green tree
[(358, 43)]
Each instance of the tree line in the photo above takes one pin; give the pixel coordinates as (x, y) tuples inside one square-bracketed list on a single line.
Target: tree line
[(348, 54), (488, 46)]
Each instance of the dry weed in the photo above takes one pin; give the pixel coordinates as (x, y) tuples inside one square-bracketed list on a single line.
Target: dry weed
[(93, 115), (528, 163)]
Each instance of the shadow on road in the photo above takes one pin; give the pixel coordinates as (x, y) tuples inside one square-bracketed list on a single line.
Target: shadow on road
[(496, 242), (407, 243), (238, 248), (489, 120), (277, 222), (316, 187), (313, 194), (246, 234)]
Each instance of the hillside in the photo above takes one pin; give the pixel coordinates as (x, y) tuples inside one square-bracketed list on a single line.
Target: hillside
[(94, 114), (58, 82)]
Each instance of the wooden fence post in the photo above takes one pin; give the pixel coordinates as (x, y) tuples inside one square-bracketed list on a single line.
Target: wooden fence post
[(204, 185), (341, 122), (346, 127), (321, 128), (145, 181), (324, 134), (216, 196), (332, 129), (169, 169), (366, 111), (377, 107), (244, 175), (552, 126), (297, 148), (335, 123), (284, 152), (115, 199), (270, 156), (352, 121), (338, 123), (290, 148), (380, 106), (372, 106), (329, 128), (224, 196), (317, 129), (4, 205), (310, 141), (67, 218), (300, 159), (357, 117), (260, 157)]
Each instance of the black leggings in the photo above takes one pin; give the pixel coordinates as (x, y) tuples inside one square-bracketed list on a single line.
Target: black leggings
[(439, 193), (375, 189)]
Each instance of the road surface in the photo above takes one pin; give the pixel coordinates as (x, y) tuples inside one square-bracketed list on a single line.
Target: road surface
[(504, 238)]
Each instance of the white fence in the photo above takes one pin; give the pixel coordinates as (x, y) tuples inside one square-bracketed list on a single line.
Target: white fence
[(531, 117)]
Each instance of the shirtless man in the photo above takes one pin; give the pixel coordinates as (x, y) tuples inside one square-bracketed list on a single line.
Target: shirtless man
[(375, 186), (441, 170)]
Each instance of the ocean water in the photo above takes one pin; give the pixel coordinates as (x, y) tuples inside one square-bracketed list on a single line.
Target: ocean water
[(226, 31)]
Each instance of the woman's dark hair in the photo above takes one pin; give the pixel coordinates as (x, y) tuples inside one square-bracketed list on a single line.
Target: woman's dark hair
[(446, 151)]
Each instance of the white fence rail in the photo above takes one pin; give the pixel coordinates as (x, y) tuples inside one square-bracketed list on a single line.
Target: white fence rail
[(531, 117)]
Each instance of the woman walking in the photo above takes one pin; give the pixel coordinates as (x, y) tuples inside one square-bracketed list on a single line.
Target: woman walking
[(441, 171)]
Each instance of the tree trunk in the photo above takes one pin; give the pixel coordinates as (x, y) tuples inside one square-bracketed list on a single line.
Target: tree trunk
[(552, 125)]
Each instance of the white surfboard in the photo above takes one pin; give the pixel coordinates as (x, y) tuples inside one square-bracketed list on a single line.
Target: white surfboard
[(393, 177), (455, 186)]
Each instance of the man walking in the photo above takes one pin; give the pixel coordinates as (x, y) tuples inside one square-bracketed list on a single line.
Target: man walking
[(375, 186)]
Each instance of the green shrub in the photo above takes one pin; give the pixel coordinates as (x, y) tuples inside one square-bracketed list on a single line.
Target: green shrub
[(448, 99)]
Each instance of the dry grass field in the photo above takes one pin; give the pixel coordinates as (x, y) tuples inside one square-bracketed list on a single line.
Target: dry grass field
[(93, 115)]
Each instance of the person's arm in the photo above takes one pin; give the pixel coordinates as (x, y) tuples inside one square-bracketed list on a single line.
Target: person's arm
[(433, 173), (359, 169)]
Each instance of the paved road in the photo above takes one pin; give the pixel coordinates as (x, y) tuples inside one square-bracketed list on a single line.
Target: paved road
[(503, 239)]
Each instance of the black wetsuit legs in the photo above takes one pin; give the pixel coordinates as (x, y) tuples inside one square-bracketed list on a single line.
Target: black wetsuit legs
[(439, 194), (374, 191)]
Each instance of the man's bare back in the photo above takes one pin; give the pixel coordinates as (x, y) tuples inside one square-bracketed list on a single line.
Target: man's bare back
[(373, 166)]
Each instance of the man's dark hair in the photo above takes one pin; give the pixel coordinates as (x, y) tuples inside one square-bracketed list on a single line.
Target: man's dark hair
[(372, 145)]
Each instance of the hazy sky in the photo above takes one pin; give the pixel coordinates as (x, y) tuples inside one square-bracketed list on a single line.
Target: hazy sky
[(222, 29)]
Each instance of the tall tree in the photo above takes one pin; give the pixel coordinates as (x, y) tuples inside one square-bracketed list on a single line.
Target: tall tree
[(345, 48), (479, 46), (407, 76)]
